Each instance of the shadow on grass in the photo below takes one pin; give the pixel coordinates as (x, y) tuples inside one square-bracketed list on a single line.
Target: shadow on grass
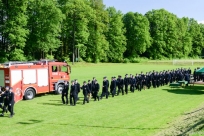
[(200, 123), (29, 122), (111, 127), (191, 90), (55, 104)]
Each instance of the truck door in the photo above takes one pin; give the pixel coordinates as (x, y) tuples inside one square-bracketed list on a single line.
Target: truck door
[(54, 76)]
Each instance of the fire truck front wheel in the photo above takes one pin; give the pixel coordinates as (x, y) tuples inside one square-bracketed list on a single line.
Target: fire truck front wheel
[(29, 94), (59, 89)]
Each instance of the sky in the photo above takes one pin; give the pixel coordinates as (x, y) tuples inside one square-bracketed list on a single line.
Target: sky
[(181, 8)]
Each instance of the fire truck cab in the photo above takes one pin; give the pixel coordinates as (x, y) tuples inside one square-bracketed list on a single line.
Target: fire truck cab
[(30, 78)]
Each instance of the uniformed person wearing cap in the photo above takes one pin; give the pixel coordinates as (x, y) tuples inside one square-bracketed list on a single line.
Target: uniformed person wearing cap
[(65, 92), (105, 88), (11, 102), (127, 81), (96, 90), (120, 85), (113, 86), (73, 94), (86, 91), (77, 89), (90, 89)]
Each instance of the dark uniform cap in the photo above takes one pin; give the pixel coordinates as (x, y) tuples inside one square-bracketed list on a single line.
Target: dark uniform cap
[(89, 80)]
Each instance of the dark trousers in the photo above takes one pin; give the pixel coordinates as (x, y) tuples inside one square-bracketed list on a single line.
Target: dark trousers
[(148, 84), (4, 108), (113, 91), (104, 93), (73, 97), (95, 95), (66, 97), (154, 83), (126, 88), (132, 88), (120, 88), (10, 108), (85, 99), (140, 86)]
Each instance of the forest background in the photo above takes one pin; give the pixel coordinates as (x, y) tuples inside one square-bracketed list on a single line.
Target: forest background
[(87, 30)]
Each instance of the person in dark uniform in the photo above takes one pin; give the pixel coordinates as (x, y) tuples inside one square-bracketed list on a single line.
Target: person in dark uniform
[(105, 88), (140, 80), (77, 89), (90, 89), (113, 86), (129, 81), (96, 90), (5, 96), (120, 85), (126, 83), (86, 91), (93, 83), (144, 82), (136, 82), (189, 71), (73, 93), (154, 79), (11, 102), (132, 84), (187, 78), (194, 75), (65, 92)]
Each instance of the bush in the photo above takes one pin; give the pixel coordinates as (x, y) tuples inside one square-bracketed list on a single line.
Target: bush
[(138, 60), (126, 60)]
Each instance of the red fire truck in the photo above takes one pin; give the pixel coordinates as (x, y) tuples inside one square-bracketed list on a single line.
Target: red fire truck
[(34, 77)]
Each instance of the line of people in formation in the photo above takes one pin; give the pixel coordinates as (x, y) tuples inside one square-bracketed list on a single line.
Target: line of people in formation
[(7, 100), (119, 85)]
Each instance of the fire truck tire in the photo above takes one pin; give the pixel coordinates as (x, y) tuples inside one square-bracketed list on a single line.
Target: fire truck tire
[(29, 94), (59, 89)]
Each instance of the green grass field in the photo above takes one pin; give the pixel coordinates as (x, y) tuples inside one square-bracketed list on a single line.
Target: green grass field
[(136, 114)]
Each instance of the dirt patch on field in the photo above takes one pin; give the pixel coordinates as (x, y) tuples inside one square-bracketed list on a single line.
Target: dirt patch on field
[(188, 124)]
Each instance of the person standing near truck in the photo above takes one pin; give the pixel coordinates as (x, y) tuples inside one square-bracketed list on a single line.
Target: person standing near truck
[(73, 94), (11, 102), (65, 92)]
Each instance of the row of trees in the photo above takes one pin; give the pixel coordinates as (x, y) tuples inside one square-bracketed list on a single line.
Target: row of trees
[(86, 29)]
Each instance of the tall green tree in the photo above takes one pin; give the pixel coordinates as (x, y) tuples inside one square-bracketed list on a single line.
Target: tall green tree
[(115, 35), (137, 34), (164, 34), (97, 46), (75, 31), (197, 38), (14, 27), (44, 24), (184, 39)]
